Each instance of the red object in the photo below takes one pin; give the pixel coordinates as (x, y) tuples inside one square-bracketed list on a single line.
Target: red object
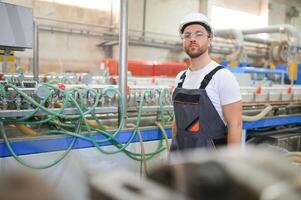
[(289, 90), (111, 66), (140, 68), (145, 68), (258, 90), (170, 69), (61, 86), (195, 127), (112, 80)]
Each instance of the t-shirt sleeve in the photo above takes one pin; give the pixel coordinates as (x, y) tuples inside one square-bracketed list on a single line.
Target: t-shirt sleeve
[(229, 89)]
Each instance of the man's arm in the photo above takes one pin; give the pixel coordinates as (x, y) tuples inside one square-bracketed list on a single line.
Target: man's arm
[(174, 128), (233, 117)]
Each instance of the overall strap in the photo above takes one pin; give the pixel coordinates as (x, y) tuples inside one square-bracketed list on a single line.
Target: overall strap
[(181, 81), (209, 76)]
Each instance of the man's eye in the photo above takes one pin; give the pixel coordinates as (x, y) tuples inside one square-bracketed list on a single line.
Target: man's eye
[(199, 34), (187, 35)]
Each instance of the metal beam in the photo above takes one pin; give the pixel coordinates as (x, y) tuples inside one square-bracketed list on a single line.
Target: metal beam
[(123, 56), (35, 51)]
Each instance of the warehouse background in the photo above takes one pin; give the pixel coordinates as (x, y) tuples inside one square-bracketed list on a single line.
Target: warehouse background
[(73, 47)]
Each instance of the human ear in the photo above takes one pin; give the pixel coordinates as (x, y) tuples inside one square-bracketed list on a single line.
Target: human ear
[(209, 43)]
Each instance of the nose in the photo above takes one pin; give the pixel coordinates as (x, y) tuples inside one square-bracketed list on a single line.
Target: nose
[(192, 40)]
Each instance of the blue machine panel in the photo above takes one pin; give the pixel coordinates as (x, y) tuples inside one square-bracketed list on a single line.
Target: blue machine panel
[(50, 144), (44, 144)]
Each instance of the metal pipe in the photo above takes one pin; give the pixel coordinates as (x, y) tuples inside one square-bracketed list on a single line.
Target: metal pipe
[(123, 57), (107, 28), (4, 63), (111, 15), (284, 28), (144, 18), (35, 50), (235, 34), (145, 121), (258, 40)]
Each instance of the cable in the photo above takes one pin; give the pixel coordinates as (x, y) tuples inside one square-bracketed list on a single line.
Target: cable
[(22, 162), (143, 156), (259, 116), (164, 135)]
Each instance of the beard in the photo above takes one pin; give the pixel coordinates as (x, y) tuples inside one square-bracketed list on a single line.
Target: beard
[(195, 51)]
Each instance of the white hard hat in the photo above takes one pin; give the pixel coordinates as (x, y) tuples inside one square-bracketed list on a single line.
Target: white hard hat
[(194, 18)]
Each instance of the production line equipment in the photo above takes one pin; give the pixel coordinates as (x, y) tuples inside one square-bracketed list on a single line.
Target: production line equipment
[(90, 112), (61, 112)]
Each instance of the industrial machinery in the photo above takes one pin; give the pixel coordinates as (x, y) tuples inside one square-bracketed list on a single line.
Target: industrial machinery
[(60, 112), (90, 112)]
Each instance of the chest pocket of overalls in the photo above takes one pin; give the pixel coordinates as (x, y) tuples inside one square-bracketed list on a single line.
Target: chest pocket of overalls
[(187, 111)]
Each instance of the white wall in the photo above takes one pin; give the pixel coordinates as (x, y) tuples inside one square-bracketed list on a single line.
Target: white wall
[(277, 10), (61, 52), (252, 7), (135, 17), (162, 16)]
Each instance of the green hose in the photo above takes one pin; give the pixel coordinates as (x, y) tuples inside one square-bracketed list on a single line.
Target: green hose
[(67, 121), (22, 162)]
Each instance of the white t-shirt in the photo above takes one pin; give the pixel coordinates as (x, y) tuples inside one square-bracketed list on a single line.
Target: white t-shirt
[(223, 88)]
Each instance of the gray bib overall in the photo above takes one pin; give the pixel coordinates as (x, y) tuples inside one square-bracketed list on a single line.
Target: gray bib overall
[(198, 122)]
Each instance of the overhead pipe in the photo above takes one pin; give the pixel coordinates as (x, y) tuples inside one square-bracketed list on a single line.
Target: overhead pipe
[(267, 41), (284, 28), (233, 34)]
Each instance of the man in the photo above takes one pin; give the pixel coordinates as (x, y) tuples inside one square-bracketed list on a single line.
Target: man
[(207, 100)]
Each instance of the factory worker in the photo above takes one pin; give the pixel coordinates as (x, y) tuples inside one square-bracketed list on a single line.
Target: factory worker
[(207, 101)]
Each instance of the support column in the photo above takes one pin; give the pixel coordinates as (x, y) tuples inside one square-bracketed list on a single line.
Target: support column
[(35, 51), (123, 57)]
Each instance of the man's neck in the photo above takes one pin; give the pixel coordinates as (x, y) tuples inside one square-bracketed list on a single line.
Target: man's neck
[(199, 62)]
